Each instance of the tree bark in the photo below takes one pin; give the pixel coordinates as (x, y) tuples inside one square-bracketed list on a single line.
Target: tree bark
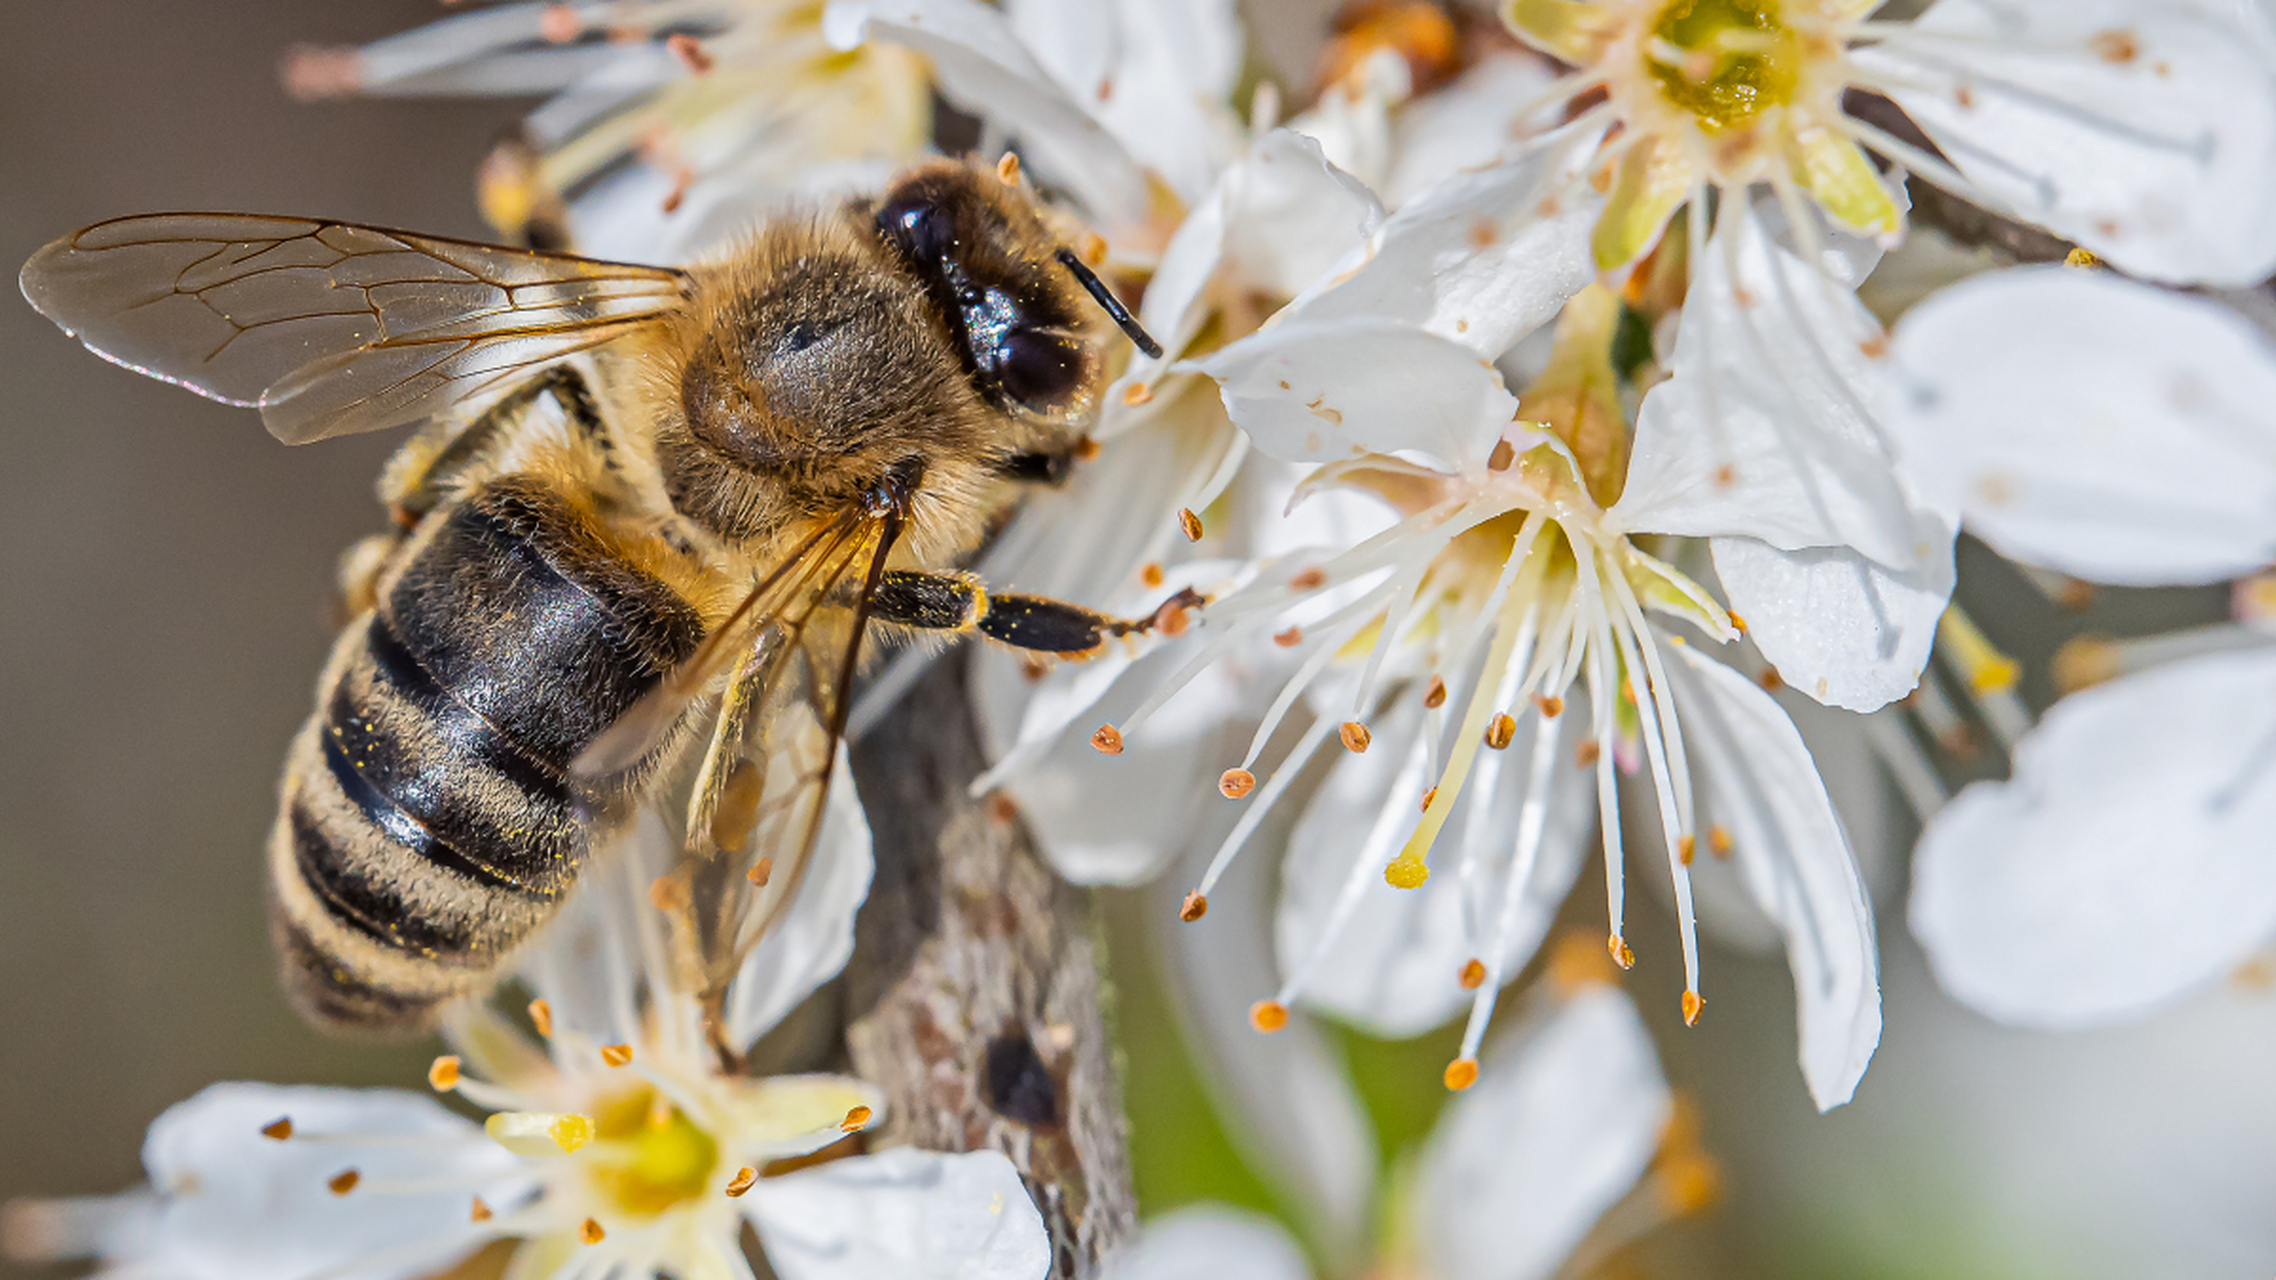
[(974, 994)]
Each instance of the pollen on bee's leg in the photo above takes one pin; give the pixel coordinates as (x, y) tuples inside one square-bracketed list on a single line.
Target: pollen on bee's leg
[(1235, 784), (343, 1182), (590, 1231), (1108, 740), (856, 1119), (1719, 840), (745, 1178), (1685, 848), (1461, 1074), (760, 872), (1189, 524), (1406, 871), (1501, 731), (1195, 906), (1622, 954), (1473, 974), (1355, 736), (479, 1211), (541, 1017), (617, 1055), (1692, 1004), (442, 1073), (277, 1130), (1268, 1016)]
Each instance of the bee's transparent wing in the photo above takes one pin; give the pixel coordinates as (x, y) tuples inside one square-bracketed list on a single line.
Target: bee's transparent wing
[(330, 327), (756, 804)]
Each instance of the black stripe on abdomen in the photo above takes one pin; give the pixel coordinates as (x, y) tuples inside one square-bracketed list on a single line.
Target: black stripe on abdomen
[(364, 898)]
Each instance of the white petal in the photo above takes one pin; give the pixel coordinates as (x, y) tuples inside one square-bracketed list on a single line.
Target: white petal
[(815, 936), (1484, 257), (1394, 968), (1790, 848), (1208, 1242), (1769, 427), (2126, 863), (1155, 73), (1562, 1121), (902, 1214), (2144, 131), (1291, 215), (242, 1206), (1467, 124), (1287, 1099), (983, 67), (1316, 392), (1840, 628), (2103, 428), (1120, 819)]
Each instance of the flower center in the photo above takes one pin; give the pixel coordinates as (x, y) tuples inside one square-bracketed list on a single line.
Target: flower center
[(1724, 61), (648, 1156)]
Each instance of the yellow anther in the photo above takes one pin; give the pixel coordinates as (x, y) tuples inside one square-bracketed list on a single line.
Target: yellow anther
[(539, 1133), (1007, 168), (745, 1178), (1500, 731), (1987, 670), (1268, 1016), (1108, 740), (1685, 847), (343, 1182), (761, 871), (617, 1055), (1189, 524), (1234, 784), (1138, 393), (541, 1017), (1692, 1004), (442, 1074), (856, 1119), (1404, 872), (479, 1211), (1622, 954), (1473, 974), (590, 1232), (1461, 1074), (1195, 906), (278, 1129), (1719, 840), (2081, 258), (1355, 736)]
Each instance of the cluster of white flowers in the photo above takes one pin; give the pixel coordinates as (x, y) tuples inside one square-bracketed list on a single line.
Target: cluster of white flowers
[(1521, 420)]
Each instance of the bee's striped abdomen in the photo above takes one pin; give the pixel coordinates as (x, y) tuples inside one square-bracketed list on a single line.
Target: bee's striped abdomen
[(428, 820)]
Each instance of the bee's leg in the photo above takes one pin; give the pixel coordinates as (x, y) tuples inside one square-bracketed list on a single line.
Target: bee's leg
[(1048, 468), (1038, 624), (415, 485)]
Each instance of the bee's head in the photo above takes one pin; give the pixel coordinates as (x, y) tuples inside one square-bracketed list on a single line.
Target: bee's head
[(995, 273)]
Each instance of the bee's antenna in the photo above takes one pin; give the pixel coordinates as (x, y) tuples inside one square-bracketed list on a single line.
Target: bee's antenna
[(1097, 289)]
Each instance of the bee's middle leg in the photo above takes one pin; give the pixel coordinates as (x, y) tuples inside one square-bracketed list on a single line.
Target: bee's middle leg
[(959, 603)]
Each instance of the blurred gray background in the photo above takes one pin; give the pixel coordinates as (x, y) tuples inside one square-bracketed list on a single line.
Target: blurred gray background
[(165, 598)]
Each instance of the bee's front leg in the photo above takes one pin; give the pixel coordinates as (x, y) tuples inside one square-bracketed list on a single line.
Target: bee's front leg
[(1037, 624)]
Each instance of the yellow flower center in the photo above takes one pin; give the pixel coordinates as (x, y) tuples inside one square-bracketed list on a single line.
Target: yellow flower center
[(1724, 61), (648, 1156)]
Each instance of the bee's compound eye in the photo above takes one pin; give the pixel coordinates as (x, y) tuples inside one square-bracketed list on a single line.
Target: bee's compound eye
[(1040, 370), (922, 230)]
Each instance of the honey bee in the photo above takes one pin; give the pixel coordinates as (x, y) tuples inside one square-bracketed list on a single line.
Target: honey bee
[(642, 503)]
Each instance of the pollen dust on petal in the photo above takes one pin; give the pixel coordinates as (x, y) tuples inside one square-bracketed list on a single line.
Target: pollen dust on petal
[(1195, 906), (1461, 1074), (1268, 1016)]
